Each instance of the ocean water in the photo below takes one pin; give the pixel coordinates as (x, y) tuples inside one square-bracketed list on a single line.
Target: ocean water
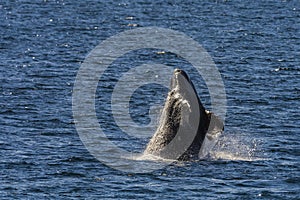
[(255, 46)]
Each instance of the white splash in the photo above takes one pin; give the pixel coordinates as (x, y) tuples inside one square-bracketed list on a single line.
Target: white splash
[(237, 147)]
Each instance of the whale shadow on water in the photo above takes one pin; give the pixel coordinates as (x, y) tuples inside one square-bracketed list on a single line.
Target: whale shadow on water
[(184, 125)]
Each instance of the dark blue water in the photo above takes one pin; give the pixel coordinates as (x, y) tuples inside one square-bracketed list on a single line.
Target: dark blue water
[(255, 45)]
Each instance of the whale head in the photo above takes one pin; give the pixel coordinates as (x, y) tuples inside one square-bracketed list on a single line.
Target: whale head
[(184, 122)]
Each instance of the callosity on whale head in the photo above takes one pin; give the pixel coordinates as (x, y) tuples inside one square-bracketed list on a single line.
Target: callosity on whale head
[(184, 122)]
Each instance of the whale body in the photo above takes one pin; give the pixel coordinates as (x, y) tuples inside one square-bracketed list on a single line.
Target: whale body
[(184, 122)]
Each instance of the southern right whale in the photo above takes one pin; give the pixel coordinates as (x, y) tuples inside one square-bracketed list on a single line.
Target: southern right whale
[(184, 122)]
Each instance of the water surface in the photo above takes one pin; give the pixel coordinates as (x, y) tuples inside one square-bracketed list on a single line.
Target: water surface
[(255, 46)]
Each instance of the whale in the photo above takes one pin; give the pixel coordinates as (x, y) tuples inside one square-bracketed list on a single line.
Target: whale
[(184, 123)]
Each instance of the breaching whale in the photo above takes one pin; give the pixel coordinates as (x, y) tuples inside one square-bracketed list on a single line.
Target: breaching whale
[(184, 123)]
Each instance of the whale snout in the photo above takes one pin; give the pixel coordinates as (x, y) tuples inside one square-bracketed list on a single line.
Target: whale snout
[(182, 83), (177, 71)]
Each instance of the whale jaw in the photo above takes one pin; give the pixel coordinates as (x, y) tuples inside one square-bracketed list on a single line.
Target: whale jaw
[(184, 122)]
